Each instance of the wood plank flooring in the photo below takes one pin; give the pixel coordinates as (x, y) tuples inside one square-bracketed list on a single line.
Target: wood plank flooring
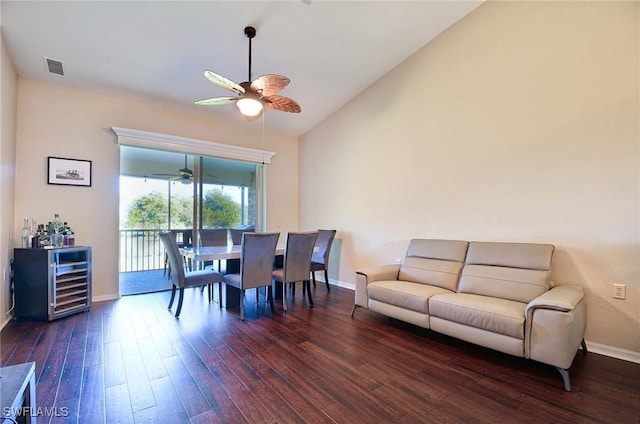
[(131, 361)]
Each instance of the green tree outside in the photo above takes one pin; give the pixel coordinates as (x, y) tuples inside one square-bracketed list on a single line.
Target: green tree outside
[(151, 211), (181, 212), (148, 211), (219, 210)]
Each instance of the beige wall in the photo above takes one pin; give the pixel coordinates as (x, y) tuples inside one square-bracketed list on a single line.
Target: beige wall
[(57, 121), (9, 81), (520, 123)]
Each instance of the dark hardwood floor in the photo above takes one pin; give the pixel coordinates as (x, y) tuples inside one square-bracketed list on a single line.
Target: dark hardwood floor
[(131, 361)]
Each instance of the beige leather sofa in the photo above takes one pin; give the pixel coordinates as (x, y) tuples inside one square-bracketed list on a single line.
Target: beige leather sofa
[(497, 295)]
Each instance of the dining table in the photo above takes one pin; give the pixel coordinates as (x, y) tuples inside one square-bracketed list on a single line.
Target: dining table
[(197, 256)]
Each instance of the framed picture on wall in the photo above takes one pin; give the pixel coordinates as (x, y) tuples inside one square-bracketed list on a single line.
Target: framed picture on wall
[(75, 172)]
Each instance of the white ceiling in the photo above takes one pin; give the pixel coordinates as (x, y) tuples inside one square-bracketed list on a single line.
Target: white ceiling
[(157, 50)]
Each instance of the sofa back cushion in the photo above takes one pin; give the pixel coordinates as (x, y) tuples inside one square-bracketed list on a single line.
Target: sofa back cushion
[(434, 262), (513, 271)]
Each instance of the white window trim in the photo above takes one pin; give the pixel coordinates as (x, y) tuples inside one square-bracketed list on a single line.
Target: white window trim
[(193, 146)]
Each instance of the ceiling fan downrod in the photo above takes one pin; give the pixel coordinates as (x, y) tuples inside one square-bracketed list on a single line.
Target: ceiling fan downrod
[(250, 32)]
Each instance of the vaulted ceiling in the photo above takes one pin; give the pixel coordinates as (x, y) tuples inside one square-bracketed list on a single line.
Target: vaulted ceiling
[(156, 51)]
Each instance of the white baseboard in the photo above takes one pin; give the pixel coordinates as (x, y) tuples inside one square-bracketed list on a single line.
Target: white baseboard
[(338, 283), (105, 297), (613, 352), (5, 321)]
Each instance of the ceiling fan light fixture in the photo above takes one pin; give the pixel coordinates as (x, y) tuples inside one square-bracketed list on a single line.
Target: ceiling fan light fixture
[(249, 106)]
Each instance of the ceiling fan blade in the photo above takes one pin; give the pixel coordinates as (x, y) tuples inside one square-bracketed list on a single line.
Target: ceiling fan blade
[(214, 101), (282, 104), (223, 82), (270, 84)]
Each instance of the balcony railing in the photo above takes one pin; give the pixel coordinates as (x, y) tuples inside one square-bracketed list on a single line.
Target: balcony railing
[(141, 250)]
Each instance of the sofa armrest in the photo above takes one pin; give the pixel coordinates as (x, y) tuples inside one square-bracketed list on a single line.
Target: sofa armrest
[(369, 275), (556, 322)]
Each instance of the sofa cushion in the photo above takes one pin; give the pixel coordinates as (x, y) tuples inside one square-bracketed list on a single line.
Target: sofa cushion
[(404, 294), (487, 313), (513, 271), (434, 262)]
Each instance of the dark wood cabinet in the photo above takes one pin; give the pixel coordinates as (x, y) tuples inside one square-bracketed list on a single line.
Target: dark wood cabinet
[(51, 283)]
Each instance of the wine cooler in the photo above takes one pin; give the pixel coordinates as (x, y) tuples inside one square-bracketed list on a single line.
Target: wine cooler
[(51, 283)]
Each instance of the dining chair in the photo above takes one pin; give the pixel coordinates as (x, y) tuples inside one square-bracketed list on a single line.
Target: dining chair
[(320, 258), (181, 278), (213, 237), (257, 254), (297, 264), (183, 239), (236, 236)]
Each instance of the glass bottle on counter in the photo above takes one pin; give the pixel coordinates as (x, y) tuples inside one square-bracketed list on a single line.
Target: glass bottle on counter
[(57, 223), (26, 234)]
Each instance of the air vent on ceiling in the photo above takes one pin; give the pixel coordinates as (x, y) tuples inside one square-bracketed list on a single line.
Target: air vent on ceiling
[(54, 66)]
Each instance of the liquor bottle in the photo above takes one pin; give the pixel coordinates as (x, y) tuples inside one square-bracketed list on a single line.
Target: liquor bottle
[(25, 234), (57, 223), (35, 241)]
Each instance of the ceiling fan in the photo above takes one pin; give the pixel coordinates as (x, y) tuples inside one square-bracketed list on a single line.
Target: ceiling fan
[(251, 97), (184, 175)]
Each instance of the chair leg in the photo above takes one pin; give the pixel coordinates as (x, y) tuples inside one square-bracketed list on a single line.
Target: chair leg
[(220, 294), (308, 284), (180, 297), (242, 305), (313, 277), (353, 310), (270, 299), (293, 289), (173, 296), (326, 279), (284, 296), (257, 295)]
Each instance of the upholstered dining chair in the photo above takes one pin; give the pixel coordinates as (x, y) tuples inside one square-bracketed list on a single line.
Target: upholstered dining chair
[(320, 258), (297, 263), (236, 236), (181, 278), (184, 238), (213, 237), (257, 254)]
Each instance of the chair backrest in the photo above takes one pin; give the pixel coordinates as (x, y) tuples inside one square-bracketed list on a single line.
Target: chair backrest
[(297, 256), (236, 236), (168, 239), (513, 271), (184, 238), (323, 244), (434, 262), (257, 257), (217, 237)]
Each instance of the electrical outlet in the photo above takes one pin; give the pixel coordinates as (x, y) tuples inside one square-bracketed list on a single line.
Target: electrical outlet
[(620, 291), (399, 261)]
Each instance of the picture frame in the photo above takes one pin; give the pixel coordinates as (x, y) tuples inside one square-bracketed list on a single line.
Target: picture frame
[(64, 171)]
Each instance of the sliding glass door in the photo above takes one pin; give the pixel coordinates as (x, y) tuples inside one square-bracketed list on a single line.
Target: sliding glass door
[(183, 193)]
